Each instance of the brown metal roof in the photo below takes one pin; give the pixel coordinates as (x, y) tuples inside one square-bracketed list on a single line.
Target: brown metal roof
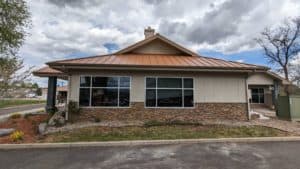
[(152, 60), (47, 71)]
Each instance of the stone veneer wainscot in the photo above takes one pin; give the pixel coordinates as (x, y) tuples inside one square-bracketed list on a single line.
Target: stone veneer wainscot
[(137, 111)]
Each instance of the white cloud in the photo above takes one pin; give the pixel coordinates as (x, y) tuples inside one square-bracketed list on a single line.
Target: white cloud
[(62, 28)]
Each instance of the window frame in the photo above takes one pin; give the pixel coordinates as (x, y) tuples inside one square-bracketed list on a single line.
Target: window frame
[(118, 87), (156, 87), (258, 94)]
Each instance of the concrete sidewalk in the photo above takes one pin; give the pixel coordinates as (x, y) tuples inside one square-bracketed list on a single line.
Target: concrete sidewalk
[(21, 108)]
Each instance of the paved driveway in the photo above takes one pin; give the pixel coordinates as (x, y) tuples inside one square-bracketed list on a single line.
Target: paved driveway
[(262, 155), (5, 111)]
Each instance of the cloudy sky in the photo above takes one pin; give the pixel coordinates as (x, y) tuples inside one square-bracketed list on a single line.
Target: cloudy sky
[(218, 28)]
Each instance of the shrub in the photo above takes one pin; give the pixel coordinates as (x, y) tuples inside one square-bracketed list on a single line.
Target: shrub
[(15, 116), (52, 112), (73, 108), (97, 119), (152, 123), (16, 136), (26, 116)]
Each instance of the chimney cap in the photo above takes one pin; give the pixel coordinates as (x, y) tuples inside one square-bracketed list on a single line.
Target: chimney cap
[(148, 32)]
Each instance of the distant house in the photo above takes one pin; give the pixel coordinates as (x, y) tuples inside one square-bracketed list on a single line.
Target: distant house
[(158, 79), (61, 94)]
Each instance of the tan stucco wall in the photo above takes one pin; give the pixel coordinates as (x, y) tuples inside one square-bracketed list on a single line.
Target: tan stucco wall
[(74, 88), (209, 87), (157, 47), (260, 79), (220, 88)]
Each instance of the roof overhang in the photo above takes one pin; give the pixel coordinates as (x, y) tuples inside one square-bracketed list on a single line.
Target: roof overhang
[(50, 72), (279, 78), (66, 68)]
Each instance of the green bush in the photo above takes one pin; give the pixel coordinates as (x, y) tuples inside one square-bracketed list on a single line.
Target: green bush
[(26, 116), (52, 112), (15, 116), (73, 108), (153, 123)]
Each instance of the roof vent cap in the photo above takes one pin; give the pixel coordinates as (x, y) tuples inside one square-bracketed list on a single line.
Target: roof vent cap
[(148, 32)]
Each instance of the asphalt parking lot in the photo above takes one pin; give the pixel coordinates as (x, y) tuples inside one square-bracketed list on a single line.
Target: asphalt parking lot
[(259, 155)]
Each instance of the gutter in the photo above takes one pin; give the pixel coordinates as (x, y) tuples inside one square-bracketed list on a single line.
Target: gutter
[(113, 67)]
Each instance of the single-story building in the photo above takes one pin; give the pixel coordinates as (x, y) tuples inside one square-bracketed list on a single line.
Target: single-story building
[(158, 79), (61, 94)]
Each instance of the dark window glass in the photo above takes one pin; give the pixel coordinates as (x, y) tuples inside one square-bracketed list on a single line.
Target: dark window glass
[(150, 98), (84, 97), (151, 83), (124, 81), (257, 95), (85, 81), (188, 98), (255, 98), (188, 83), (254, 91), (261, 99), (169, 98), (104, 97), (169, 83), (105, 81), (124, 98)]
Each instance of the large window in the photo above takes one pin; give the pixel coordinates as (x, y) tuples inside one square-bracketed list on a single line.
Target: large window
[(257, 95), (169, 92), (104, 91)]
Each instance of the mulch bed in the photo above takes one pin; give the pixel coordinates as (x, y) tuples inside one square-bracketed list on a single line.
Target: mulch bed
[(28, 125)]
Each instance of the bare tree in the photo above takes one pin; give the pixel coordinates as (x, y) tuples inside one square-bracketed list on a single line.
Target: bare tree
[(10, 76), (282, 44), (295, 73)]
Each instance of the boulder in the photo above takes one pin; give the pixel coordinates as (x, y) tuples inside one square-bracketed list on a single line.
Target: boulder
[(57, 119), (42, 128), (5, 132)]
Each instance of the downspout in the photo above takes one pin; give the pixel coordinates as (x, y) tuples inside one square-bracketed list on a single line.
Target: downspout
[(68, 98)]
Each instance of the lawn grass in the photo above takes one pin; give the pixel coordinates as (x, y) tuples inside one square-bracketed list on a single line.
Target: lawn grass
[(17, 102), (162, 132)]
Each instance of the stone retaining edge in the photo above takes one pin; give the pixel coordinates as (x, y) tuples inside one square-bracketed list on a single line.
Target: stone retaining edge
[(147, 142)]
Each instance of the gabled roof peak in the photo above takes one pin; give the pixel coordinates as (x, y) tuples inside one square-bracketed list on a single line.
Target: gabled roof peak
[(150, 39)]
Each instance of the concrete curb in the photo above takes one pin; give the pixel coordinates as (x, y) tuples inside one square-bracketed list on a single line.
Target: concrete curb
[(5, 117), (147, 142)]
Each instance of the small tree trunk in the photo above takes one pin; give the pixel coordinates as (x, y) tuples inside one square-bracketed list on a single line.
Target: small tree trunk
[(286, 75)]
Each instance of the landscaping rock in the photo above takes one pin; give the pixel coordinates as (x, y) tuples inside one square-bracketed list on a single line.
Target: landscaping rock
[(57, 119), (254, 116), (42, 128), (5, 132)]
